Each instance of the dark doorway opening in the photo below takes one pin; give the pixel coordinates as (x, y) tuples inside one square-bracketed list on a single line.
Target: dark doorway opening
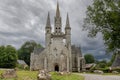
[(56, 68)]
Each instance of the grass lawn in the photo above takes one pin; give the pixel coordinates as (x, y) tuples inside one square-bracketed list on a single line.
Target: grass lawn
[(66, 77), (23, 75), (31, 75)]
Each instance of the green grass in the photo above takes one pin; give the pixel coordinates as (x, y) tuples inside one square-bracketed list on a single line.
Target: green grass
[(23, 75), (66, 77), (32, 75)]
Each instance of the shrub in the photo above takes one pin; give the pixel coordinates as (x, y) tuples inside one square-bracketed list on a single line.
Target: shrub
[(116, 69)]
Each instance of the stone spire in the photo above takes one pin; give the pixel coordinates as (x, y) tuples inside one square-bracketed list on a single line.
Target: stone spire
[(48, 25), (67, 23), (57, 10), (58, 24)]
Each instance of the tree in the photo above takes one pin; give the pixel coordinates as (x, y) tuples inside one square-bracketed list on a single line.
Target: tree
[(89, 58), (102, 64), (26, 49), (8, 57), (2, 53), (104, 16)]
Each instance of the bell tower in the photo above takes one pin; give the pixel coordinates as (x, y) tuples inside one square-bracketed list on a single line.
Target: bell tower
[(57, 23)]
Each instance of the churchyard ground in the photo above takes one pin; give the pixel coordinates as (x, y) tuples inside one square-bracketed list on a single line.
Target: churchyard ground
[(32, 75), (100, 77)]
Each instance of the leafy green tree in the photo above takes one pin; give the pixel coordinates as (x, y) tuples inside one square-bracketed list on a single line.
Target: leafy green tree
[(2, 53), (26, 49), (102, 64), (89, 58), (104, 16), (8, 57)]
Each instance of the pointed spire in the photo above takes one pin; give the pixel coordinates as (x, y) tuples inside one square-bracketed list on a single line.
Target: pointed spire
[(57, 10), (48, 21), (67, 22)]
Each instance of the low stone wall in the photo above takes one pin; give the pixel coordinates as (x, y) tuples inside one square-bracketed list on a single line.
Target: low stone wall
[(9, 73)]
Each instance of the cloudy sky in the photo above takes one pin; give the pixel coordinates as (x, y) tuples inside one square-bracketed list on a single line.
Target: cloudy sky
[(23, 20)]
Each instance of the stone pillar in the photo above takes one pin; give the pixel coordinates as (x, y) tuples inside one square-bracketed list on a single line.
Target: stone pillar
[(31, 61), (68, 64), (45, 63), (78, 64), (83, 64)]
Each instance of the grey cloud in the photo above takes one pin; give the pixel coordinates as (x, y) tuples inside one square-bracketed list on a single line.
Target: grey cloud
[(22, 20)]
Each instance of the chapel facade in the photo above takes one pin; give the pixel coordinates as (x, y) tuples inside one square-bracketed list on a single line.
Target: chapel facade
[(58, 54)]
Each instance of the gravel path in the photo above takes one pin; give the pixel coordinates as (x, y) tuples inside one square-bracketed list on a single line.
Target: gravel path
[(100, 77)]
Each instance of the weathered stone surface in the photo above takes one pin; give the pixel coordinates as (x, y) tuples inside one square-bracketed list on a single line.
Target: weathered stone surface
[(64, 73), (98, 71), (58, 54), (9, 74), (115, 72), (44, 75)]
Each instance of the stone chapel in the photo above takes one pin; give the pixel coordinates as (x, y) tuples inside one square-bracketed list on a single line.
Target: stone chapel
[(58, 54)]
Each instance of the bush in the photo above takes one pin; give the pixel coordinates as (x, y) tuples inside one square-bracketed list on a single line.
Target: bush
[(105, 70), (116, 69)]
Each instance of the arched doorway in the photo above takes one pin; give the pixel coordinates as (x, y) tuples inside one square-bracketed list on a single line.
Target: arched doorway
[(56, 67)]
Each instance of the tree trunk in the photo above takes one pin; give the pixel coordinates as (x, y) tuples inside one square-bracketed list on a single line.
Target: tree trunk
[(116, 63)]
